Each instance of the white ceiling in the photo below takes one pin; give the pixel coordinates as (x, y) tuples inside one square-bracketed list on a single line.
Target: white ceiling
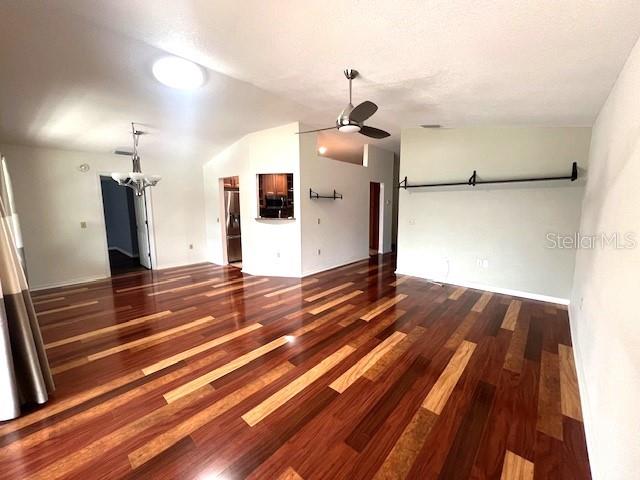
[(74, 73)]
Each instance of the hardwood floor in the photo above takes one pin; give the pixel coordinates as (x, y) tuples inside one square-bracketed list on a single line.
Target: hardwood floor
[(203, 372)]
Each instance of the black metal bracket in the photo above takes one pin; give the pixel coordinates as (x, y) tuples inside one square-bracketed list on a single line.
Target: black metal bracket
[(314, 195), (473, 180)]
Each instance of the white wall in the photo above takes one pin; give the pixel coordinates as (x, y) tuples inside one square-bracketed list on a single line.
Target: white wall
[(289, 247), (53, 197), (604, 309), (342, 236), (269, 247), (443, 232)]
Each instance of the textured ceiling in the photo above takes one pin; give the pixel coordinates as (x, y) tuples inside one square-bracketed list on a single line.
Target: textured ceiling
[(75, 71)]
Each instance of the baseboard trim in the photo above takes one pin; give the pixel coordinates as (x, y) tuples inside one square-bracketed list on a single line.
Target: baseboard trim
[(490, 288), (338, 265), (67, 283), (176, 265)]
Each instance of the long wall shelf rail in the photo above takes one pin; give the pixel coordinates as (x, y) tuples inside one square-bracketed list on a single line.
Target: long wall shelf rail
[(314, 195), (473, 180)]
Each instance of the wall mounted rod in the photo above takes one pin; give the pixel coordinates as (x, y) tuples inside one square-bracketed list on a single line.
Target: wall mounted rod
[(473, 180), (315, 195)]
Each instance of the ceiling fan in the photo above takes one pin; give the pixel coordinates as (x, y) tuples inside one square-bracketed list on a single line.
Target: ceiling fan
[(351, 119)]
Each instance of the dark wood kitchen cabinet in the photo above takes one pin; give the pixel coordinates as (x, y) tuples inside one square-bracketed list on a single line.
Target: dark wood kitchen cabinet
[(275, 195)]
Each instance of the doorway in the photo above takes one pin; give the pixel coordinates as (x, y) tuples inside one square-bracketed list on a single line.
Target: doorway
[(127, 227), (374, 218), (233, 234)]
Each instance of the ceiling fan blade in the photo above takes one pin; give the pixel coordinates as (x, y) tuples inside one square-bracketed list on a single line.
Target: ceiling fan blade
[(317, 130), (373, 132), (363, 111)]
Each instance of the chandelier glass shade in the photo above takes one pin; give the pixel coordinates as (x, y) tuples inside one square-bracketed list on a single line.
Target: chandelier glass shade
[(136, 180)]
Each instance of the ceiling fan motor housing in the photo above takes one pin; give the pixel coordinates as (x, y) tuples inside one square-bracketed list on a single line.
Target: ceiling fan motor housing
[(350, 73)]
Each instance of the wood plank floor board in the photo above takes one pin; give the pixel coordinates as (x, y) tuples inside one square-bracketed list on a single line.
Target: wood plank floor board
[(332, 303), (381, 307), (354, 373), (219, 372), (366, 363), (279, 398), (511, 317), (109, 329), (165, 440), (372, 422), (439, 394), (516, 468), (466, 442), (549, 403), (569, 392)]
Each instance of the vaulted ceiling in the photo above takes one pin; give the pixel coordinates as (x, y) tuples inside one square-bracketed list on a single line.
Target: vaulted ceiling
[(74, 73)]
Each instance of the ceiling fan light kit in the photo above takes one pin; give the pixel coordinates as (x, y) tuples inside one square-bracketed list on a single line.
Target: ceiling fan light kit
[(136, 180), (351, 119), (349, 128)]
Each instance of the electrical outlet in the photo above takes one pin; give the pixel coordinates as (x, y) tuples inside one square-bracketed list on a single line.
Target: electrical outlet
[(482, 263), (278, 254), (412, 221), (83, 224), (318, 251), (318, 221), (191, 246)]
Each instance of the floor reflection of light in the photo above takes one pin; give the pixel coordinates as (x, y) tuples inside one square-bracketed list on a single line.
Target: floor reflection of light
[(211, 476), (290, 338)]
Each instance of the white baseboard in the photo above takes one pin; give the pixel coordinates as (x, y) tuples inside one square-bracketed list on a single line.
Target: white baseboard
[(66, 283), (337, 265), (180, 264), (491, 288)]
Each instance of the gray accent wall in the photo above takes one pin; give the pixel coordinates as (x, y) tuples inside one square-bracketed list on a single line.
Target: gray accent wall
[(491, 237)]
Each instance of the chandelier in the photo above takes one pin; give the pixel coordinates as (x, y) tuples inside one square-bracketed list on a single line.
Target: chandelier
[(135, 180)]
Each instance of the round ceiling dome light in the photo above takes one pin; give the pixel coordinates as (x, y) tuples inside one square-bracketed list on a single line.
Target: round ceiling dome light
[(176, 72), (322, 150), (349, 128)]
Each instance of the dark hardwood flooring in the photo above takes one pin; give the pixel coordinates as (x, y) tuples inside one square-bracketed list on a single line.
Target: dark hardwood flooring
[(355, 373)]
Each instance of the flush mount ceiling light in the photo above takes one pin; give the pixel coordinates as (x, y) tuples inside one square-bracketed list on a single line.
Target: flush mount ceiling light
[(322, 150), (176, 72)]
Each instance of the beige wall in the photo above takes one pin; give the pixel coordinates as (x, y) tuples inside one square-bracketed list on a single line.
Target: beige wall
[(605, 323), (53, 197), (444, 232)]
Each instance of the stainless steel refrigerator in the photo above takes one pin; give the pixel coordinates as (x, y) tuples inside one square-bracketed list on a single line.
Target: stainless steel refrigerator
[(232, 220)]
